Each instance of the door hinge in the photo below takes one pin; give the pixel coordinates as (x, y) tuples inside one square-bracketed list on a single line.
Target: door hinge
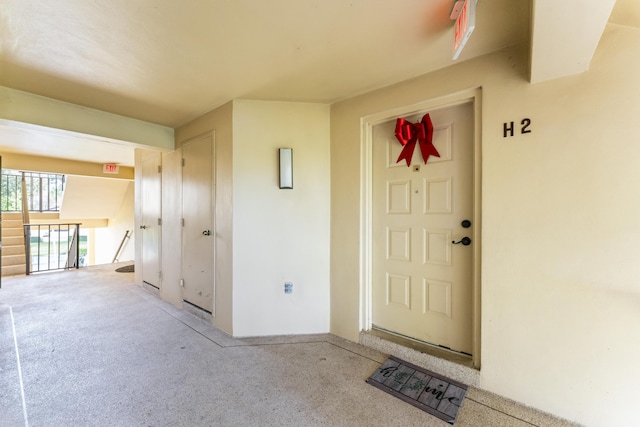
[(159, 221), (182, 221), (182, 282), (183, 162), (159, 169), (160, 275)]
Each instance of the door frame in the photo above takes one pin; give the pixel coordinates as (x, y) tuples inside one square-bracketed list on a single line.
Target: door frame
[(366, 196), (145, 156), (214, 259)]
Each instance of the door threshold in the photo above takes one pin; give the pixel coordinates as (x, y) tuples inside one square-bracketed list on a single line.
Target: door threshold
[(197, 311), (151, 288), (440, 352), (454, 365)]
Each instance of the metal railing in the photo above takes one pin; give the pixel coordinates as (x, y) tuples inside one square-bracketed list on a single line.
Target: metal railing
[(44, 191), (52, 247), (124, 239)]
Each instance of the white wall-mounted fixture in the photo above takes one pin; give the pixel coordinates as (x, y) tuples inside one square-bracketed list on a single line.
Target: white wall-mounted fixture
[(286, 167)]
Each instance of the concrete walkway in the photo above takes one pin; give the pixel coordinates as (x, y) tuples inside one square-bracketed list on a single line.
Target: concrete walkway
[(89, 348)]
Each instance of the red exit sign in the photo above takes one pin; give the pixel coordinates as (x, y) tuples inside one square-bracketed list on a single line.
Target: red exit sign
[(465, 24), (110, 168)]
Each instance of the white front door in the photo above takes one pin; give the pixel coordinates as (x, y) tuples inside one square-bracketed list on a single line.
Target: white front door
[(422, 281), (198, 234), (151, 188)]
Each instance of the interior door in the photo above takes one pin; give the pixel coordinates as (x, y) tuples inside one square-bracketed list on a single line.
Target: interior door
[(422, 280), (151, 198), (198, 222)]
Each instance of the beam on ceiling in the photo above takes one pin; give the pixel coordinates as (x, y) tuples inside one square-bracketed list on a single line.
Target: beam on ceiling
[(26, 110), (564, 36)]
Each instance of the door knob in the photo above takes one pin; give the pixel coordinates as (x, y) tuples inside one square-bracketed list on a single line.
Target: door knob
[(465, 223), (465, 241), (206, 233), (143, 227)]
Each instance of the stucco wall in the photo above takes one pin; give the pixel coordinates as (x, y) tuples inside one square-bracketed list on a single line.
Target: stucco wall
[(560, 277), (280, 235), (218, 121), (108, 239), (264, 236), (62, 166), (171, 242)]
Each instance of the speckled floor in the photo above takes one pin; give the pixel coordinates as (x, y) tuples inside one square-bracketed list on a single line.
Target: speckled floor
[(89, 348)]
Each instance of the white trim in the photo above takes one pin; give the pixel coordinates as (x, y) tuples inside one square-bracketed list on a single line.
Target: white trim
[(366, 176)]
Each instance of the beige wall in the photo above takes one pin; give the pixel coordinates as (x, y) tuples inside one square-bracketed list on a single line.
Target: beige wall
[(560, 277), (218, 121), (280, 235), (54, 218), (264, 236), (108, 238), (171, 239), (51, 165), (91, 197)]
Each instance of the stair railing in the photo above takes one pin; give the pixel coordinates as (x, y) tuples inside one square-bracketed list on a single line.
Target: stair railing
[(55, 247), (73, 257), (43, 191), (124, 239), (25, 201), (25, 220)]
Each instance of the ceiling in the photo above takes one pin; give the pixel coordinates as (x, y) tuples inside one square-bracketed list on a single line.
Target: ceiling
[(168, 61)]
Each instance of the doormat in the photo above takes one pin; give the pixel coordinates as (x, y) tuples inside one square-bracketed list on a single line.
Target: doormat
[(431, 392), (126, 269)]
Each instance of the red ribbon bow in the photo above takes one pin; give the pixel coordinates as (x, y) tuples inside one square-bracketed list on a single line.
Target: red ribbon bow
[(410, 133)]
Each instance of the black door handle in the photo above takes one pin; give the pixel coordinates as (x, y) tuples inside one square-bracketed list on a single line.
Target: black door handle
[(206, 233), (465, 241)]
